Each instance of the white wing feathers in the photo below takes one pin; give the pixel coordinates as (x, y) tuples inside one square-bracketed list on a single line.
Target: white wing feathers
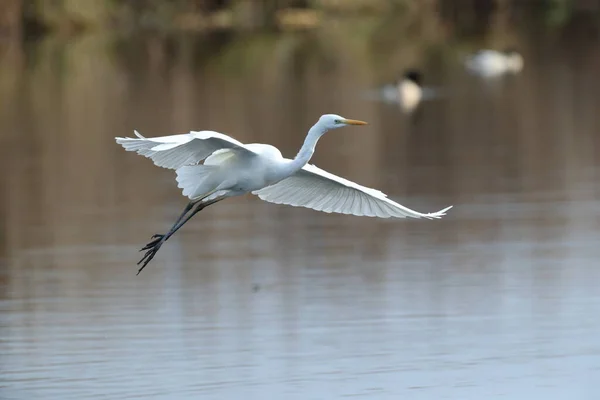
[(175, 151), (320, 190)]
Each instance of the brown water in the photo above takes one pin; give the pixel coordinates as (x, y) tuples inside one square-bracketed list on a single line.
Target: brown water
[(253, 300)]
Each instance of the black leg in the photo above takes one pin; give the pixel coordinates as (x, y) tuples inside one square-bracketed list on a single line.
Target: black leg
[(158, 237), (158, 240)]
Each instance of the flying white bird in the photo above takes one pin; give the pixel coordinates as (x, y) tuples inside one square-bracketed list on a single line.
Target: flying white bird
[(492, 63), (232, 168)]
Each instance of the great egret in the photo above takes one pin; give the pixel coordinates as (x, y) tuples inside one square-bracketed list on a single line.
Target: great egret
[(492, 63), (232, 168)]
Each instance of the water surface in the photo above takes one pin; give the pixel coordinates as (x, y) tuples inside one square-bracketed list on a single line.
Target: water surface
[(253, 300)]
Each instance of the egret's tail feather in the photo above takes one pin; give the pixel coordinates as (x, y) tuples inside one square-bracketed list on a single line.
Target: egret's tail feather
[(193, 180)]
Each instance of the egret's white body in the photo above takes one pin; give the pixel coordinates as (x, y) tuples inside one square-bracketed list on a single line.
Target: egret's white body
[(232, 168), (492, 63)]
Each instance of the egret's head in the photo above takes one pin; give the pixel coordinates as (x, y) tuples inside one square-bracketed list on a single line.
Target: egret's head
[(333, 121)]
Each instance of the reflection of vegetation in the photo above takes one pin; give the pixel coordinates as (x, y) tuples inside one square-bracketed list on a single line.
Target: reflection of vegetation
[(389, 42), (265, 51), (246, 52), (72, 16), (558, 12), (412, 32)]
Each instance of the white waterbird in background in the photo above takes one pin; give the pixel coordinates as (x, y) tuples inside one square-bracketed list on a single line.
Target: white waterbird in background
[(406, 92), (409, 90), (232, 168), (492, 63)]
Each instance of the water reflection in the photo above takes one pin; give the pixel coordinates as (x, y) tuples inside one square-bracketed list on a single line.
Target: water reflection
[(251, 299)]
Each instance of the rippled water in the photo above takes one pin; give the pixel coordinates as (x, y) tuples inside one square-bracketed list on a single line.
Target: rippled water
[(254, 300)]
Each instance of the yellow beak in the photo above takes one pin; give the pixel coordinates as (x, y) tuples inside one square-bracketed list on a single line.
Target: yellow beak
[(353, 122)]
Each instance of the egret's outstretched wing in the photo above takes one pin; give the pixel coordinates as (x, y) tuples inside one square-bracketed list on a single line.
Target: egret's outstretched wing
[(315, 188), (176, 151)]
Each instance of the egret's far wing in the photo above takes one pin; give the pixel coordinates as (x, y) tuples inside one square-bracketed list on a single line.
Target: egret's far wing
[(176, 151), (320, 190)]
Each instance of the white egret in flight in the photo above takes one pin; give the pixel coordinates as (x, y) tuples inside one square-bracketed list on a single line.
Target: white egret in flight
[(232, 168)]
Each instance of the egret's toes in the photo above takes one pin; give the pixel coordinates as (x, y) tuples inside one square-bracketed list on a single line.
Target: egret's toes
[(152, 248), (148, 246), (146, 259), (155, 240)]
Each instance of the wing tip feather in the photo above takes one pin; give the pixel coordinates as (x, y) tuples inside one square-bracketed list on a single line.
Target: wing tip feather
[(120, 140), (439, 214), (123, 141)]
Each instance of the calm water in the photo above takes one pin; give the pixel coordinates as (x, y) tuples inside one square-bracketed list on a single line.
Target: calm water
[(254, 300)]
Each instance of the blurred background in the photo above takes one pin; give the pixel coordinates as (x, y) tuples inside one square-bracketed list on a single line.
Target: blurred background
[(499, 299)]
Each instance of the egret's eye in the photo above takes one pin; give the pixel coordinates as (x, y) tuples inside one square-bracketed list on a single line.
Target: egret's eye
[(337, 121)]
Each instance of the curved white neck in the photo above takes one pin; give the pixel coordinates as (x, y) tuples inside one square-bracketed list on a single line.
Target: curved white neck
[(308, 148)]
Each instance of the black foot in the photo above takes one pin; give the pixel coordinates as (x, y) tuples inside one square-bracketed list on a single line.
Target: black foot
[(152, 248), (155, 239)]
